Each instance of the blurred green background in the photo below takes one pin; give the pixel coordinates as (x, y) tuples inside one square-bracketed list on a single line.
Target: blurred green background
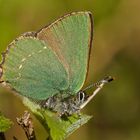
[(116, 52)]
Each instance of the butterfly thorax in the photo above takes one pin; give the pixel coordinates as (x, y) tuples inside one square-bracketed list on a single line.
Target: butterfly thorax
[(68, 105)]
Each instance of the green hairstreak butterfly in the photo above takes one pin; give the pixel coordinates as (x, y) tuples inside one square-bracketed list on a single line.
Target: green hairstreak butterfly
[(50, 65)]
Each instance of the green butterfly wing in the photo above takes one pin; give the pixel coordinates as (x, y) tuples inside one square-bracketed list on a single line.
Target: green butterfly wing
[(33, 70), (70, 37), (51, 61)]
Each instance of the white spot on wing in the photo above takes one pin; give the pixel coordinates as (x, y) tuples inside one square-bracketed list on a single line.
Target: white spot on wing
[(29, 55), (19, 76), (45, 47), (23, 59), (20, 66), (39, 51)]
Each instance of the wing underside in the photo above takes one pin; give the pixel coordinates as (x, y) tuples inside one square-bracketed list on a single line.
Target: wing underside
[(33, 70), (70, 37), (55, 59)]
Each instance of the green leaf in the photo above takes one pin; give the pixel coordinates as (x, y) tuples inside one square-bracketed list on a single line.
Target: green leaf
[(59, 128), (62, 128), (5, 123)]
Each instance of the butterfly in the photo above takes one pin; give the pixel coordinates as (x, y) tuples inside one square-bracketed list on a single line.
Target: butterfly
[(51, 65)]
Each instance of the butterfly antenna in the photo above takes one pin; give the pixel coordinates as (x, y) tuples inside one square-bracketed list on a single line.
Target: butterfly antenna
[(107, 79), (99, 86)]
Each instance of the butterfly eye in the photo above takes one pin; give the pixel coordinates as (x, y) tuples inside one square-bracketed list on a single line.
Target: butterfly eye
[(81, 96)]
